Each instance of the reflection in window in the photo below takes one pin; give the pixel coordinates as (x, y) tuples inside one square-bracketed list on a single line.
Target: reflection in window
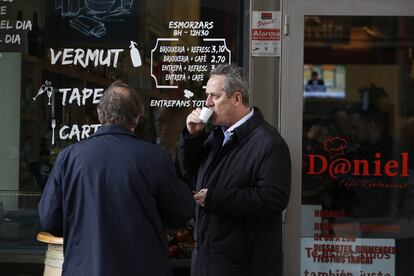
[(324, 81), (357, 182)]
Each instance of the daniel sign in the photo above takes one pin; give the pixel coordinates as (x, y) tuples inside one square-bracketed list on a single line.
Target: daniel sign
[(266, 33)]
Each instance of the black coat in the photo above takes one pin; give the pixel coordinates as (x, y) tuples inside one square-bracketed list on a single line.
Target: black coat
[(111, 194), (248, 180)]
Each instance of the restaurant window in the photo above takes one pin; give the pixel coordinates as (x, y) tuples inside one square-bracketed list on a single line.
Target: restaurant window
[(358, 170), (56, 59)]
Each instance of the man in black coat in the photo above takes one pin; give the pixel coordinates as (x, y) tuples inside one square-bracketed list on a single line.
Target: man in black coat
[(110, 195), (242, 171)]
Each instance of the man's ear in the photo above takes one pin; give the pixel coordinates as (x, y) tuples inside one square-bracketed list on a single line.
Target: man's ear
[(238, 99), (134, 126)]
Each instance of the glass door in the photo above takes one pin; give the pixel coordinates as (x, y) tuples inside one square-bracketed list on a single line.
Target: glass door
[(352, 141)]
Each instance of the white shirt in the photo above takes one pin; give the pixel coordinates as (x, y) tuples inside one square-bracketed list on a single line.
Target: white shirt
[(228, 132)]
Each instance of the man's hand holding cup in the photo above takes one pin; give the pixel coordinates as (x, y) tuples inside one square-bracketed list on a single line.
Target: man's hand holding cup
[(197, 120)]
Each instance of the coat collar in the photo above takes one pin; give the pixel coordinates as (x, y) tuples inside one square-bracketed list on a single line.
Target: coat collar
[(113, 129), (247, 127)]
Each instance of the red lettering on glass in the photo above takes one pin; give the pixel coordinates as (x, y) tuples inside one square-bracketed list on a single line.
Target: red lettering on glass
[(319, 164), (312, 164), (357, 164)]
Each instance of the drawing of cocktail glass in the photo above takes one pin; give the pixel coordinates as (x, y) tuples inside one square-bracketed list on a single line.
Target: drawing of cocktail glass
[(49, 92), (45, 88)]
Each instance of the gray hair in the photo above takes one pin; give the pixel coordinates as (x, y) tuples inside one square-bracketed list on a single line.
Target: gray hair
[(236, 80), (120, 105)]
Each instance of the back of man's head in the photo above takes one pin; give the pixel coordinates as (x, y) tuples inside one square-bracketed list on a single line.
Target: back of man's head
[(120, 105)]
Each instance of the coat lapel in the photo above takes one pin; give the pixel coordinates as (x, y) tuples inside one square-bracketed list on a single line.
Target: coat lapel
[(217, 140), (219, 152)]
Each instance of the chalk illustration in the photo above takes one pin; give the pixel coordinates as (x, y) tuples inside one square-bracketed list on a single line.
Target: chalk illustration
[(127, 4), (70, 7), (89, 16), (99, 6), (53, 124), (188, 94), (46, 87), (49, 92), (88, 26), (135, 56)]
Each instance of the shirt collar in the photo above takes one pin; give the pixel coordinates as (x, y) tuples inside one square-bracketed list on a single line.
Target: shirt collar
[(229, 131)]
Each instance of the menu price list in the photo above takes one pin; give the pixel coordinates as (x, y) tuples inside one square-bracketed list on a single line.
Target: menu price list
[(181, 64)]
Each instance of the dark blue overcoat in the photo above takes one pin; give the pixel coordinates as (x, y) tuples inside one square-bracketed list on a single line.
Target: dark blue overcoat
[(110, 196)]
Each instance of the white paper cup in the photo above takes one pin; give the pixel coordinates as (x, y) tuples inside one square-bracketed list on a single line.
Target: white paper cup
[(205, 114)]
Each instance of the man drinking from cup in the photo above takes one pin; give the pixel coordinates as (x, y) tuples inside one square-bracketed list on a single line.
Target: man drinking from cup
[(242, 171)]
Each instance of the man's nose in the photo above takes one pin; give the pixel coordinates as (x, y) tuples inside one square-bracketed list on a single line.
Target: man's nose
[(209, 101)]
